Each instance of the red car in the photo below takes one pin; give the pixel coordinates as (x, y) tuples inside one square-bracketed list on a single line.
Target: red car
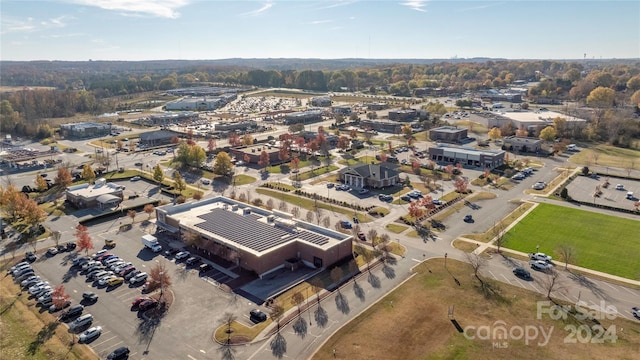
[(147, 304), (126, 270), (139, 300)]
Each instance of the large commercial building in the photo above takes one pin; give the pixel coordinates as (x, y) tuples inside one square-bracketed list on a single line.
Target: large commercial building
[(303, 117), (381, 126), (253, 238), (157, 138), (522, 144), (467, 157), (200, 103), (532, 120), (85, 130), (369, 175)]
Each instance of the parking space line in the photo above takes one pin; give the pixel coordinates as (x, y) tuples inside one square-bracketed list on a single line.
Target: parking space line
[(610, 286), (493, 275), (103, 342), (629, 291)]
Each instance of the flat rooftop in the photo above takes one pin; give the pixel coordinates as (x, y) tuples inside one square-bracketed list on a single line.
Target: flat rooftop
[(90, 191), (252, 231), (538, 116), (469, 151), (448, 129)]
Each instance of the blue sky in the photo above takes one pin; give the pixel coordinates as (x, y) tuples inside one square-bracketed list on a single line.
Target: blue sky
[(212, 29)]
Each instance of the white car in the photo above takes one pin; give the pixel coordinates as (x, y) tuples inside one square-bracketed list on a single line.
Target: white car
[(138, 278), (539, 185), (90, 334), (619, 187), (540, 265), (540, 256), (182, 255), (105, 280), (205, 182), (635, 311), (135, 178)]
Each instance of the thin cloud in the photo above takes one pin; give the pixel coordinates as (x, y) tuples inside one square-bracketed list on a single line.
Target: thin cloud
[(338, 4), (156, 8), (265, 7), (417, 5), (480, 7), (318, 22), (29, 25)]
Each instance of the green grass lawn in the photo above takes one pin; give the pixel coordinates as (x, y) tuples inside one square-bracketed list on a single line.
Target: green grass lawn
[(602, 242)]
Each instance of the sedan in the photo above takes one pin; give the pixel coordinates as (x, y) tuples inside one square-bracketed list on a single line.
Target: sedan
[(135, 178), (89, 296), (119, 353), (540, 185), (105, 280), (540, 265), (635, 311), (30, 256), (132, 274), (540, 256), (52, 251), (90, 334), (139, 300)]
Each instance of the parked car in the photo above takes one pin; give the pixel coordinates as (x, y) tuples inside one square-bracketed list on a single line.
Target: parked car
[(103, 281), (619, 187), (540, 265), (521, 272), (468, 218), (330, 185), (192, 261), (345, 224), (126, 270), (98, 254), (147, 304), (81, 322), (540, 185), (89, 297), (115, 281), (132, 274), (205, 182), (362, 236), (80, 261), (518, 176), (90, 334), (170, 252), (137, 301), (363, 191), (257, 316), (138, 278), (72, 312), (182, 255), (135, 178), (70, 246), (30, 256), (30, 281), (52, 251), (540, 256), (109, 243), (205, 268), (53, 308), (18, 266), (119, 353), (635, 311)]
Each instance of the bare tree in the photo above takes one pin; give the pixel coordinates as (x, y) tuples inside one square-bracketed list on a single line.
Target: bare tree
[(316, 286), (326, 221), (498, 234), (310, 216), (132, 214), (277, 311), (567, 253), (295, 211), (551, 282), (296, 299), (282, 206), (55, 235), (477, 262), (372, 235), (159, 278)]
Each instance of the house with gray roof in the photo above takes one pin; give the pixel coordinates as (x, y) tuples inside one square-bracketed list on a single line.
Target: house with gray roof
[(369, 175)]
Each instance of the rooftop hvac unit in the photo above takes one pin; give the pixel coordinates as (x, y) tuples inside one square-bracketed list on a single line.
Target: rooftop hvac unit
[(246, 211), (271, 218), (234, 207)]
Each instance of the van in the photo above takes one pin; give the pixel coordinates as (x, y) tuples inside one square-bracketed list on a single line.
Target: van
[(630, 195), (82, 321)]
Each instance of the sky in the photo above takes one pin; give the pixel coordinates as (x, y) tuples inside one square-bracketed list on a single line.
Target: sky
[(81, 30)]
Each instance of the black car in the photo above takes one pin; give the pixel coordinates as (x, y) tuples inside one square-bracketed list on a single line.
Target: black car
[(119, 353), (30, 256), (257, 316), (521, 272), (72, 312), (89, 297), (147, 304), (192, 261), (61, 248), (70, 246), (170, 252), (132, 274)]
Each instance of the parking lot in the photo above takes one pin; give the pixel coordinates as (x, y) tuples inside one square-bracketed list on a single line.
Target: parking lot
[(582, 188), (184, 332)]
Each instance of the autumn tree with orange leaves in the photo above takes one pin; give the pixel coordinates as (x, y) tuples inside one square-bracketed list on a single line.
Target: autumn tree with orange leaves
[(59, 297), (83, 242)]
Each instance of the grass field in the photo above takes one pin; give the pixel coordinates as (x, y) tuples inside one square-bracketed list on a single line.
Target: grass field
[(606, 155), (25, 333), (602, 242), (412, 323)]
